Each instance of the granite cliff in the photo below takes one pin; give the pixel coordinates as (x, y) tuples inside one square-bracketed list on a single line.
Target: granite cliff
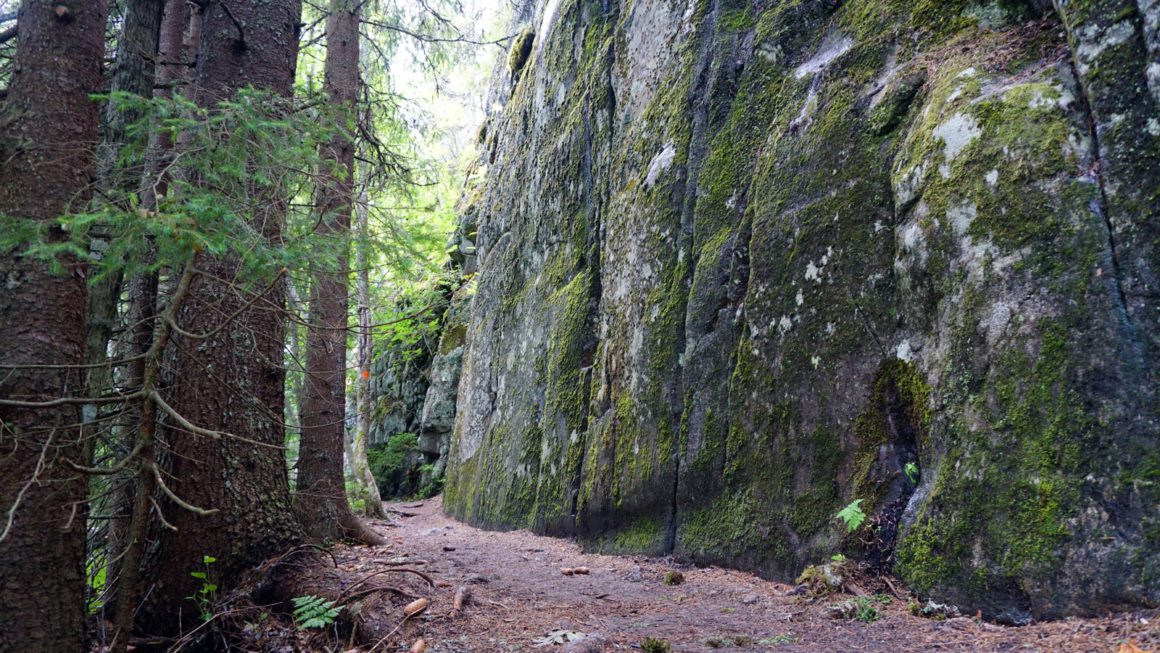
[(740, 263)]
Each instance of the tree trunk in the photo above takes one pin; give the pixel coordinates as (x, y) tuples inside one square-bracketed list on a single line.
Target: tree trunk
[(231, 382), (134, 71), (296, 369), (321, 497), (359, 463), (48, 149), (173, 48)]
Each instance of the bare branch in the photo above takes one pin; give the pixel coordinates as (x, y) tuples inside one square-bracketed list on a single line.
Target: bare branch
[(429, 38), (176, 499), (244, 307), (9, 34), (65, 401), (20, 495), (161, 515), (116, 363), (184, 423), (293, 317), (106, 471)]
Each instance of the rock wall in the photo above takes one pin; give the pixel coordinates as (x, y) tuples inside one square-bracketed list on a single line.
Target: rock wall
[(743, 262), (413, 390)]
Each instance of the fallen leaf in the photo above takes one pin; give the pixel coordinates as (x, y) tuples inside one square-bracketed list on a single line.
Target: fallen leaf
[(419, 646), (1130, 647)]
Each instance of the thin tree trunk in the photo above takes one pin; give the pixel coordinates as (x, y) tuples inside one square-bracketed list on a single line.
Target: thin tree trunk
[(173, 49), (42, 535), (233, 381), (134, 71), (294, 384), (149, 371), (321, 499), (359, 463)]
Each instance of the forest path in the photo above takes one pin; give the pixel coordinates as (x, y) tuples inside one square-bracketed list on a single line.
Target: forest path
[(523, 596)]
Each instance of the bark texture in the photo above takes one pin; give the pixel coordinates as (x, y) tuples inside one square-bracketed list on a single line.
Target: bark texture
[(231, 382), (47, 145), (321, 499)]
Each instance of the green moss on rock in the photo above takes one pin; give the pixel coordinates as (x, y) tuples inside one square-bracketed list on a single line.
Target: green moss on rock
[(520, 51)]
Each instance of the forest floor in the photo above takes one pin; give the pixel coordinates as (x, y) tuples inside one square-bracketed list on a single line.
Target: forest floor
[(521, 601)]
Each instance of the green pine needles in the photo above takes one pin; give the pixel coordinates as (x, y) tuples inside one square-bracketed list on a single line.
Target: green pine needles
[(236, 190), (314, 612)]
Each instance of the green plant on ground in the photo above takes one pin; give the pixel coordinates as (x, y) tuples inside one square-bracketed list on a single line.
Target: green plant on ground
[(314, 612), (776, 640), (206, 594), (852, 515), (867, 612), (652, 645), (673, 577), (862, 608)]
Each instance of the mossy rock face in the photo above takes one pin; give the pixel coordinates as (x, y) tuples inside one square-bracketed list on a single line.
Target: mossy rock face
[(726, 291), (414, 385), (518, 56)]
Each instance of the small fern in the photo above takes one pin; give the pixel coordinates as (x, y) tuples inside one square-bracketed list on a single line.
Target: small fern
[(314, 612), (852, 515)]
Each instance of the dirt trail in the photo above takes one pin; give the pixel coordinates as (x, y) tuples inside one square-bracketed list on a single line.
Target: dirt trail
[(624, 600)]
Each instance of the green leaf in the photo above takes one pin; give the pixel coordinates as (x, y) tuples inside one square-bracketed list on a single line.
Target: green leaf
[(911, 470), (852, 515)]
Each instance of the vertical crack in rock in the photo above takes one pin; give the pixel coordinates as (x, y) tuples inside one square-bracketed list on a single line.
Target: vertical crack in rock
[(595, 202), (700, 94), (1100, 207)]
